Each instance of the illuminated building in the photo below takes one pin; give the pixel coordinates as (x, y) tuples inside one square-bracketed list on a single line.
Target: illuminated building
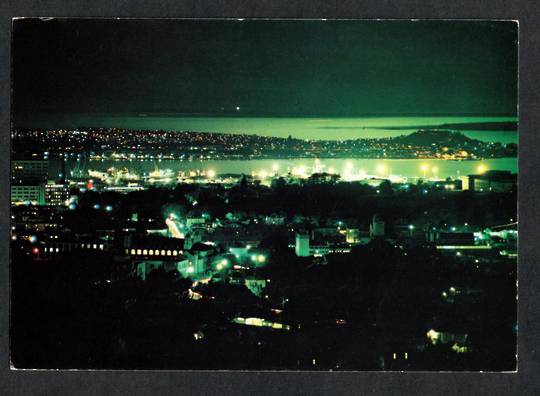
[(352, 235), (376, 228), (22, 194), (56, 194), (301, 247), (29, 171), (464, 182), (496, 181), (28, 176), (53, 247), (141, 246), (255, 285)]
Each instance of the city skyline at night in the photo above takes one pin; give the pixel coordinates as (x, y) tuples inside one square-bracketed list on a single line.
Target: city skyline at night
[(300, 195)]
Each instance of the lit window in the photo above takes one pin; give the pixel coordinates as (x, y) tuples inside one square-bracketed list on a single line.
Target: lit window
[(145, 252), (174, 253), (169, 252), (163, 252), (151, 252), (139, 251), (132, 251)]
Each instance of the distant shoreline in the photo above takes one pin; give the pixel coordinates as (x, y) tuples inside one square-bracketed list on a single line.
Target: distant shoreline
[(482, 127)]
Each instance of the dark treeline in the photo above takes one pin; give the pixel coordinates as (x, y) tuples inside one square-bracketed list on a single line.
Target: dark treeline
[(420, 204)]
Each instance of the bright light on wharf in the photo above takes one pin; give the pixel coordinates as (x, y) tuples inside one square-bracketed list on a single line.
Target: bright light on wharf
[(481, 168)]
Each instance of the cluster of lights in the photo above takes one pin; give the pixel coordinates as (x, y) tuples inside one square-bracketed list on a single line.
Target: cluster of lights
[(258, 258)]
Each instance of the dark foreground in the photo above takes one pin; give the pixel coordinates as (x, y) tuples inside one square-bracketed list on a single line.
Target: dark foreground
[(383, 306)]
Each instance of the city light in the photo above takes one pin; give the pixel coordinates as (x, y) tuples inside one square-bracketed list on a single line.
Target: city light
[(275, 167), (424, 168), (299, 171), (381, 169), (211, 173), (263, 174), (481, 168)]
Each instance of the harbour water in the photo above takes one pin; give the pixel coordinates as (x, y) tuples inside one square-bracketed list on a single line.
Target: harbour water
[(300, 127)]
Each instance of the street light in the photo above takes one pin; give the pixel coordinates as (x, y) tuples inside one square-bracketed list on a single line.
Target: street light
[(481, 168), (424, 168)]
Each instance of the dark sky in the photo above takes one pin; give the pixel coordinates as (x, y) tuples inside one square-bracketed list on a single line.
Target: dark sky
[(272, 68)]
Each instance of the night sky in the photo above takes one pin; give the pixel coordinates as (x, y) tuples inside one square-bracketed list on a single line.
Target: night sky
[(267, 68)]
